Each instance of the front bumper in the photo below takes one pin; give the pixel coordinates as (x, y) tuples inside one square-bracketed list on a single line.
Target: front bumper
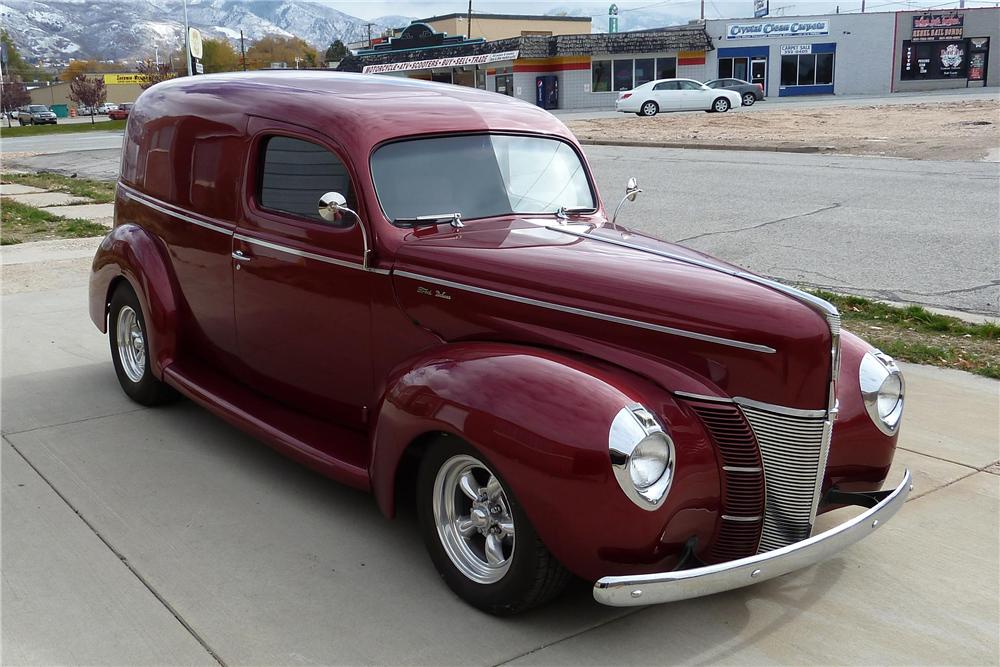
[(654, 588)]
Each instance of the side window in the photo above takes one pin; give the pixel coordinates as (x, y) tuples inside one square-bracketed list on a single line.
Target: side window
[(667, 85), (689, 85), (296, 173)]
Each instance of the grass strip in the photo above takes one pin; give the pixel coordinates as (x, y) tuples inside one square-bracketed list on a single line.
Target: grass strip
[(66, 128), (21, 222), (915, 334), (99, 192)]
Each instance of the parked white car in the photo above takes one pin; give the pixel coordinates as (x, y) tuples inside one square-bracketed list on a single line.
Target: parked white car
[(106, 108), (653, 97)]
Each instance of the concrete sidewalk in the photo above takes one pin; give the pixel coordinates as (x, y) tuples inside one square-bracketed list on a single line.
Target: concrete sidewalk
[(164, 536)]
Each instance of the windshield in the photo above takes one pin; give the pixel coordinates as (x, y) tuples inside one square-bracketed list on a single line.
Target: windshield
[(479, 176), (38, 107)]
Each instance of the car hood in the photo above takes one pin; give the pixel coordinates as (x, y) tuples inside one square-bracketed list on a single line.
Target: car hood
[(611, 293)]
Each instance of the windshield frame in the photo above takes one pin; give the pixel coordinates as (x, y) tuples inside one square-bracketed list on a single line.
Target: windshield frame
[(594, 194)]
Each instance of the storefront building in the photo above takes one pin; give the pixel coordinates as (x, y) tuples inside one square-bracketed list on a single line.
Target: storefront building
[(578, 71), (946, 49), (842, 54)]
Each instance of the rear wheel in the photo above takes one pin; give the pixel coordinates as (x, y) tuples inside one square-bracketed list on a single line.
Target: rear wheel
[(749, 99), (720, 105), (649, 109), (478, 537), (130, 350)]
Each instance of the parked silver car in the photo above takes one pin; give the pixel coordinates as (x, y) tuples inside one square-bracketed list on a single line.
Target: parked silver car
[(35, 114), (749, 92)]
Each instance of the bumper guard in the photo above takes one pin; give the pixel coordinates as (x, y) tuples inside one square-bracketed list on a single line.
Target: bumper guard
[(643, 589)]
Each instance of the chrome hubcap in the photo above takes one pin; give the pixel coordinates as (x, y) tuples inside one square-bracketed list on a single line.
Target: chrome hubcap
[(720, 106), (649, 110), (473, 518), (131, 344)]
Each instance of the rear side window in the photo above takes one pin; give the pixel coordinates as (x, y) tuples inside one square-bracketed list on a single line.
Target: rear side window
[(667, 85), (296, 173)]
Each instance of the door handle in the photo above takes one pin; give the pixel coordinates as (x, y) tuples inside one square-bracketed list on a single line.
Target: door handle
[(240, 256)]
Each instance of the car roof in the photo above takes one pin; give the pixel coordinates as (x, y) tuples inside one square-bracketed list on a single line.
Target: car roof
[(368, 108), (674, 79)]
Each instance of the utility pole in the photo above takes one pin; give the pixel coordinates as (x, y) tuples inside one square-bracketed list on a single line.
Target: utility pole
[(243, 52), (187, 34), (470, 20), (862, 6), (369, 26), (702, 10)]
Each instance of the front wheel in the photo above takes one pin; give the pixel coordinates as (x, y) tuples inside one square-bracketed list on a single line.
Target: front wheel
[(130, 350), (649, 109), (720, 105), (478, 537), (749, 99)]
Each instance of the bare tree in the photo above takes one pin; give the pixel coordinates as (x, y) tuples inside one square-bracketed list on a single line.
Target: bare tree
[(154, 73), (88, 91), (14, 95)]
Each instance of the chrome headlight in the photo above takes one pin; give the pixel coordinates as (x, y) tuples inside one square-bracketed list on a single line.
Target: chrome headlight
[(642, 456), (882, 389)]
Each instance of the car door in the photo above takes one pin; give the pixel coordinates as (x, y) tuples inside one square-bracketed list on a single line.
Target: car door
[(301, 295), (667, 95), (693, 95)]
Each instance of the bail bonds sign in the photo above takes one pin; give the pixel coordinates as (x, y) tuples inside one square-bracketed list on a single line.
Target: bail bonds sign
[(777, 29), (440, 62)]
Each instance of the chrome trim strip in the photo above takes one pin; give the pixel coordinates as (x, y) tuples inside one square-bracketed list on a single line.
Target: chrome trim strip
[(742, 469), (643, 589), (161, 206), (588, 313), (744, 519), (778, 409), (702, 397), (298, 253)]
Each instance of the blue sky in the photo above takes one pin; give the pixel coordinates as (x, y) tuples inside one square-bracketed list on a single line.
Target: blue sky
[(688, 8)]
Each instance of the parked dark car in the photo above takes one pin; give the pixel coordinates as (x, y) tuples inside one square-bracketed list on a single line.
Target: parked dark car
[(36, 114), (418, 291), (750, 92)]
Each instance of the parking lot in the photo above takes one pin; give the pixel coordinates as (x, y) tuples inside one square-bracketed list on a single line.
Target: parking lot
[(164, 536)]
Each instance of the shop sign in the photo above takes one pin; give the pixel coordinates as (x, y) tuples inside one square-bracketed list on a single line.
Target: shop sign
[(760, 8), (937, 60), (933, 27), (977, 66), (952, 60), (441, 62), (777, 29), (796, 49), (127, 79)]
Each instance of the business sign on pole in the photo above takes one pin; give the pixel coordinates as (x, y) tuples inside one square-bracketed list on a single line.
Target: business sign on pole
[(613, 18), (196, 51), (440, 62), (128, 79), (761, 8), (777, 29)]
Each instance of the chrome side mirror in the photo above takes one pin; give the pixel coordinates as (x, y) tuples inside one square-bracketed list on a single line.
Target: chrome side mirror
[(632, 191), (333, 204)]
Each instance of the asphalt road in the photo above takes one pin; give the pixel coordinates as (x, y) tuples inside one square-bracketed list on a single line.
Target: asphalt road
[(163, 536), (903, 230)]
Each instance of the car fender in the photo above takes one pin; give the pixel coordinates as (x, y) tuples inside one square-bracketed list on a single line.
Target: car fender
[(542, 419), (132, 254)]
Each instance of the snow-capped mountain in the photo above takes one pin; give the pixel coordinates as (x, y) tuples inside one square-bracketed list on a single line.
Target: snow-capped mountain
[(57, 30)]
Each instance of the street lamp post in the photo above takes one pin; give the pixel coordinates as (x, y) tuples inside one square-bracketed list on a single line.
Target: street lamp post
[(187, 45)]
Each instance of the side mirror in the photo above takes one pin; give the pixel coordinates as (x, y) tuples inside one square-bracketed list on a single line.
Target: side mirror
[(631, 192), (333, 204), (632, 189)]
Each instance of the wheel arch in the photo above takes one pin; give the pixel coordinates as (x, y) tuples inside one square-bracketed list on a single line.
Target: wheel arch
[(129, 254)]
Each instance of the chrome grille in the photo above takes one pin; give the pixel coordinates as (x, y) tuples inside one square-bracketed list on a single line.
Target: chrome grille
[(793, 452)]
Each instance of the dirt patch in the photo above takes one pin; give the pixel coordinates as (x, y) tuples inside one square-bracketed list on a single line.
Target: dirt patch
[(962, 130)]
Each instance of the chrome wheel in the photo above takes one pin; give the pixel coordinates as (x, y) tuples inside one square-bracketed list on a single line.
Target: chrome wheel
[(721, 105), (749, 99), (649, 109), (474, 519), (131, 344)]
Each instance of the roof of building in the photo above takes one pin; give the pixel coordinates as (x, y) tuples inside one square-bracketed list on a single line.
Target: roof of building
[(680, 38), (518, 17)]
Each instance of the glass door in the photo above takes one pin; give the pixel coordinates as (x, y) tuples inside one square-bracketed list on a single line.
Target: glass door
[(758, 73)]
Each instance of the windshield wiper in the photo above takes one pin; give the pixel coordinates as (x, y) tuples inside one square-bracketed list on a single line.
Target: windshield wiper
[(565, 211), (454, 218)]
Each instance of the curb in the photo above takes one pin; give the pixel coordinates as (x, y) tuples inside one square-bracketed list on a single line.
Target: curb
[(705, 147)]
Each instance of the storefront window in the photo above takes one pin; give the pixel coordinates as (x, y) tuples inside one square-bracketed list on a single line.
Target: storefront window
[(936, 60), (644, 70), (807, 70), (601, 72), (666, 68), (725, 68), (623, 74), (441, 76)]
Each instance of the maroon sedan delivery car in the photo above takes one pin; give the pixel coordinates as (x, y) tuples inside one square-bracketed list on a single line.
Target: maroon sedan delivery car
[(417, 290)]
